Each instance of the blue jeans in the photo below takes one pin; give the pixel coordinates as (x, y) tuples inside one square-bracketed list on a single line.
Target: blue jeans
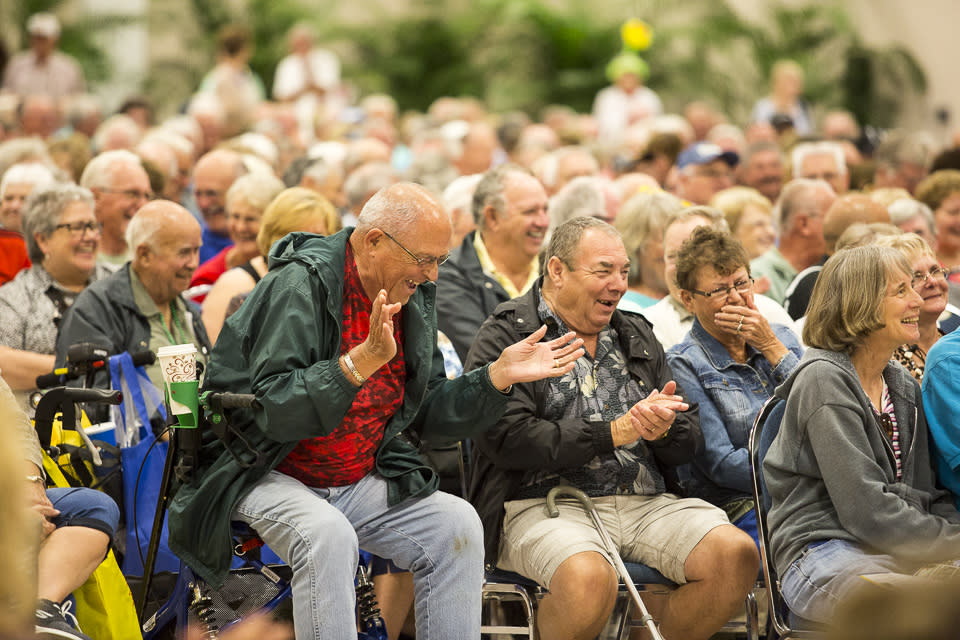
[(318, 533), (83, 507), (826, 573)]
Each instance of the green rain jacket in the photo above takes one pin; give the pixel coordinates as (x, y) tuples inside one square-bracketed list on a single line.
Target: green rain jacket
[(283, 345)]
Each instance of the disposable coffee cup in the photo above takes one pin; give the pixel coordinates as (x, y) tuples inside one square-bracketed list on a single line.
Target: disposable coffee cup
[(178, 364)]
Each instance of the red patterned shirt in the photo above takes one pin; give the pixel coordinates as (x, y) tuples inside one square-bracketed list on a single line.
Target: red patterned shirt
[(347, 454)]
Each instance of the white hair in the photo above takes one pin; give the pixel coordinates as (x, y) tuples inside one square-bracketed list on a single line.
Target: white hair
[(99, 171), (459, 194), (581, 197), (802, 151), (32, 173), (117, 122), (207, 104), (907, 209)]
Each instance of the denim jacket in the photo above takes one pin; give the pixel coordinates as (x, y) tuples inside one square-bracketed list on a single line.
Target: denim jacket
[(729, 394)]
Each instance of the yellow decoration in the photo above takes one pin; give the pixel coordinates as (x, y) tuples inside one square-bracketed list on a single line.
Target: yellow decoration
[(636, 34)]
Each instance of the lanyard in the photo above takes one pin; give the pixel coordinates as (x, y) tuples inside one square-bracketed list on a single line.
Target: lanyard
[(173, 321)]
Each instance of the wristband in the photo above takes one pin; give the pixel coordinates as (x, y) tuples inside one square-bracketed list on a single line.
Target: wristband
[(347, 360)]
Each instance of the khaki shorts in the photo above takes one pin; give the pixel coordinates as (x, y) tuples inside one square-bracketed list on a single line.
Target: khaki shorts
[(659, 531)]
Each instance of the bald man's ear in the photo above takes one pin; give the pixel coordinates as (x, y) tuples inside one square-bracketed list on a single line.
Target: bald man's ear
[(372, 238)]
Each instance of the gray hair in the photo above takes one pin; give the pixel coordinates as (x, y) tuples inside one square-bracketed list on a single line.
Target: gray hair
[(117, 122), (760, 146), (459, 194), (32, 173), (23, 150), (640, 217), (901, 147), (99, 172), (319, 170), (549, 165), (795, 198), (42, 211), (716, 218), (255, 189), (565, 239), (366, 179), (806, 149), (142, 230), (902, 210), (489, 191), (82, 106), (583, 196), (388, 209)]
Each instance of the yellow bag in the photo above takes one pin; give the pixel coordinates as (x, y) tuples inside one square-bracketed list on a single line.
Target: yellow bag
[(105, 608)]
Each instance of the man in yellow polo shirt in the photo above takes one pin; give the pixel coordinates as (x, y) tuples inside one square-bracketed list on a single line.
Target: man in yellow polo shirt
[(498, 261)]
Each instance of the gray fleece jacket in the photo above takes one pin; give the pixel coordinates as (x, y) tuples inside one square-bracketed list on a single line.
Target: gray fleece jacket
[(832, 475)]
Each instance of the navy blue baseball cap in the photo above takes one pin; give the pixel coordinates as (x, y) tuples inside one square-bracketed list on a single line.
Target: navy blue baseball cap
[(705, 153)]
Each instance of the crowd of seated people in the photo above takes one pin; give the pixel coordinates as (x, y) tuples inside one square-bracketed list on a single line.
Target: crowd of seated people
[(603, 300)]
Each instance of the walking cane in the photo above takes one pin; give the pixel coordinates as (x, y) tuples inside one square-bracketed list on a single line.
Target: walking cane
[(645, 617)]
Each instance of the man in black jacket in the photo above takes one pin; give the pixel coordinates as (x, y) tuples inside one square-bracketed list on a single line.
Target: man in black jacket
[(496, 262), (615, 427)]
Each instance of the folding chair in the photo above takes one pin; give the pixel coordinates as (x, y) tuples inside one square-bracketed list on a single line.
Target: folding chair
[(765, 429), (502, 587)]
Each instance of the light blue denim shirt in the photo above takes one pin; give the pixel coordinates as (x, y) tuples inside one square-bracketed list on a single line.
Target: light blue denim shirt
[(730, 395)]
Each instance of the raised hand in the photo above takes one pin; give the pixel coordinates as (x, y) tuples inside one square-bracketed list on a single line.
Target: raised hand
[(530, 359), (380, 346)]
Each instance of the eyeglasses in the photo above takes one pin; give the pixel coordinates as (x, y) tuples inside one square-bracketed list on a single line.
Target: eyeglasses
[(742, 287), (133, 194), (920, 279), (421, 262), (81, 228), (207, 193)]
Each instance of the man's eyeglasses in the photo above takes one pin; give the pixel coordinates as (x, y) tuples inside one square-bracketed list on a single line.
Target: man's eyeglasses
[(81, 228), (742, 287), (133, 194), (421, 262), (920, 279)]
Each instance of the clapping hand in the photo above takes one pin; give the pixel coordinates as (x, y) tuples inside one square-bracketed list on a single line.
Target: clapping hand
[(651, 418)]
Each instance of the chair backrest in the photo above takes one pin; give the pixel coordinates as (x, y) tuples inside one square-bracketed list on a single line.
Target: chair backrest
[(764, 431)]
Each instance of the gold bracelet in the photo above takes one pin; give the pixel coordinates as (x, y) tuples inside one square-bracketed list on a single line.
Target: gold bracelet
[(347, 360), (34, 478)]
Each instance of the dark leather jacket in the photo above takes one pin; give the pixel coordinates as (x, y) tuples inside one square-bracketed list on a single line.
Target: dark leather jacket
[(523, 441)]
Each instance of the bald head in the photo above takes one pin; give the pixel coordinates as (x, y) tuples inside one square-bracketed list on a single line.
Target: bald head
[(847, 210), (401, 206), (157, 221), (213, 175), (165, 241), (402, 236)]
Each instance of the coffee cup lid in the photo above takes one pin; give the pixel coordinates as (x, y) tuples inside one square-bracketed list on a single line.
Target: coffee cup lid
[(176, 350)]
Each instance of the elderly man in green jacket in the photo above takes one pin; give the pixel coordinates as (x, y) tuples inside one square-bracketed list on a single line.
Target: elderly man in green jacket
[(338, 343)]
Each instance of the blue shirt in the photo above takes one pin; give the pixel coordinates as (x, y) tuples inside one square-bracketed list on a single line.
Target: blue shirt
[(213, 243), (941, 404), (730, 394)]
